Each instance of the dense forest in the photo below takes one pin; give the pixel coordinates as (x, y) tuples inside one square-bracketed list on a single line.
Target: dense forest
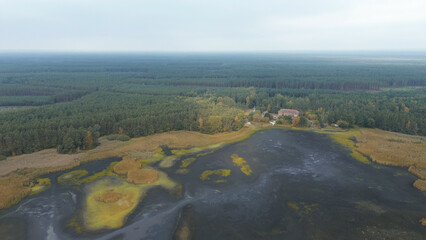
[(68, 100)]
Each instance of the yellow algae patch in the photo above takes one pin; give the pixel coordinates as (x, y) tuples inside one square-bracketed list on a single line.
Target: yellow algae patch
[(41, 185), (221, 181), (187, 161), (240, 162), (293, 205), (108, 196), (76, 177), (180, 152), (423, 222), (347, 139), (142, 176), (122, 198), (218, 172), (146, 162), (158, 154), (100, 214), (205, 153), (73, 176), (126, 165)]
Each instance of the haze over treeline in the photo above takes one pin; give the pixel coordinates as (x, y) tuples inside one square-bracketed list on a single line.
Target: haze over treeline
[(68, 101)]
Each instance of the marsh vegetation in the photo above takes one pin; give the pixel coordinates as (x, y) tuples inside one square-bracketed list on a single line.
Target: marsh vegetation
[(289, 193), (122, 143)]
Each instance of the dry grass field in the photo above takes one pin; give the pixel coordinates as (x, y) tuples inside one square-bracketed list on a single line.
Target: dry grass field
[(395, 149)]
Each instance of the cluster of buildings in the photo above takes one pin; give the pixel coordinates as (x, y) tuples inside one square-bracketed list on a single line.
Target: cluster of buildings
[(288, 112), (282, 113)]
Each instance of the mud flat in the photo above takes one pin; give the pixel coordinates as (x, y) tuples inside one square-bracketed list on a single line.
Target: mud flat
[(302, 185)]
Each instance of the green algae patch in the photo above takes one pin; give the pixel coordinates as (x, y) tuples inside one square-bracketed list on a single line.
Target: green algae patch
[(206, 175), (73, 177), (346, 139), (41, 185), (242, 164), (110, 200), (76, 177), (187, 161), (109, 171)]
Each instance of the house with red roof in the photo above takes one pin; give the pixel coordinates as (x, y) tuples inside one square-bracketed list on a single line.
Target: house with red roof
[(288, 112)]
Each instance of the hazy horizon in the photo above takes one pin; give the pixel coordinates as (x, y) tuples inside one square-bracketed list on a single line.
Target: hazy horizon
[(202, 26)]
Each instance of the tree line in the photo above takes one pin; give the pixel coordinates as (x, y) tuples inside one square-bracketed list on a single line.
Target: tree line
[(76, 125)]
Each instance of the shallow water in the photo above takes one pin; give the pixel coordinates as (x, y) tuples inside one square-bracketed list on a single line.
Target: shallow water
[(303, 186)]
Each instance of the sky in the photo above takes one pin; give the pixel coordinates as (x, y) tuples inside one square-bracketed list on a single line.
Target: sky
[(212, 25)]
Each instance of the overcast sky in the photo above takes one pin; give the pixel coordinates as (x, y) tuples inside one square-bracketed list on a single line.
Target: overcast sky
[(212, 25)]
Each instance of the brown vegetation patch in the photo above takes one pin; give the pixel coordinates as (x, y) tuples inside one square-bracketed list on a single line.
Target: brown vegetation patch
[(108, 197), (142, 176), (395, 149), (420, 184), (13, 188), (420, 173), (126, 165), (173, 139), (403, 150), (50, 158), (17, 185)]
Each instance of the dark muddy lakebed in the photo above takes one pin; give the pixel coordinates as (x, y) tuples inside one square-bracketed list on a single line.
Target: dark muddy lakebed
[(302, 186)]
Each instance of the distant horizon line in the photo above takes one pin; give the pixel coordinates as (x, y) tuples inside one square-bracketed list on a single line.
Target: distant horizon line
[(211, 52), (397, 54)]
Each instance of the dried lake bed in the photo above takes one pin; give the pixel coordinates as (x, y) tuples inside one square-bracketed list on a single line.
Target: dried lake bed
[(277, 184)]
